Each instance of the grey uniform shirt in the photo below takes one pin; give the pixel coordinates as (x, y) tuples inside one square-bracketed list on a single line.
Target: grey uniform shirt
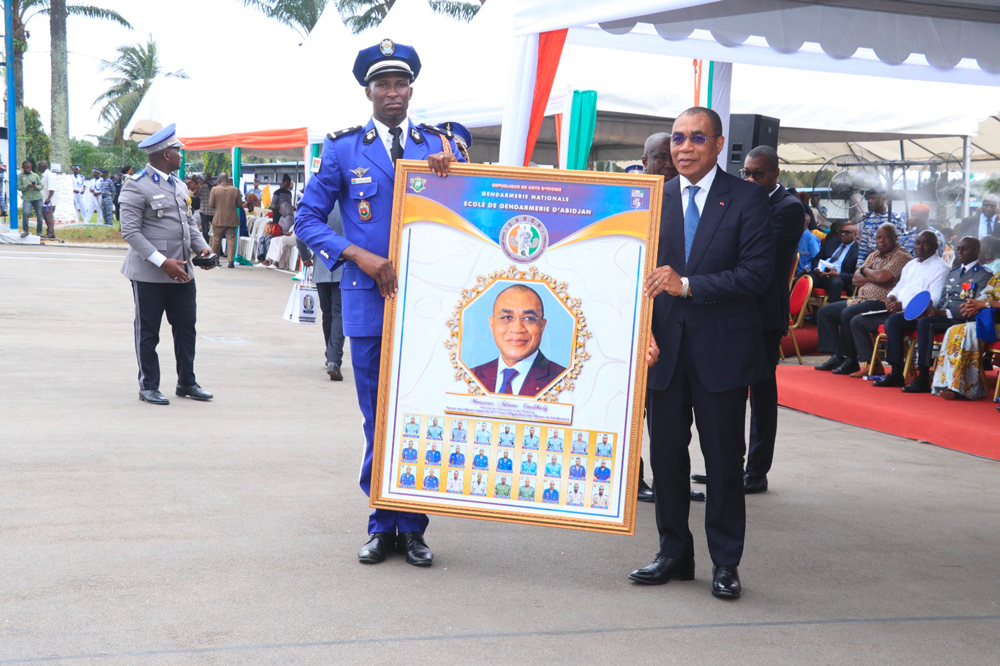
[(154, 221), (320, 272)]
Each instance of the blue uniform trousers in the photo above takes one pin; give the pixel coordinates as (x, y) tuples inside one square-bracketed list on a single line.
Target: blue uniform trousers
[(366, 355), (926, 327)]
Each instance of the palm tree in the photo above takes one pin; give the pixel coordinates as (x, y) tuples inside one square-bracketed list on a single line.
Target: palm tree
[(135, 69), (299, 15), (24, 11), (359, 15)]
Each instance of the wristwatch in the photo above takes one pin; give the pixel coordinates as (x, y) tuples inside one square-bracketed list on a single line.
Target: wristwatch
[(685, 288)]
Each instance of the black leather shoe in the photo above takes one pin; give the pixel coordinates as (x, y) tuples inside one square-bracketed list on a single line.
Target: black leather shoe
[(699, 478), (726, 583), (847, 367), (646, 494), (194, 392), (662, 570), (697, 496), (752, 485), (417, 553), (232, 264), (919, 385), (831, 363), (153, 397), (335, 375), (891, 380), (377, 547)]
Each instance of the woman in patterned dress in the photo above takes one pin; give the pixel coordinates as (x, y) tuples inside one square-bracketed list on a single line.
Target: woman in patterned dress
[(957, 374)]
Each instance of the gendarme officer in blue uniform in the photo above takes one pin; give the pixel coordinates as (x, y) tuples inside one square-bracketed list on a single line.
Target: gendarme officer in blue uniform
[(357, 169)]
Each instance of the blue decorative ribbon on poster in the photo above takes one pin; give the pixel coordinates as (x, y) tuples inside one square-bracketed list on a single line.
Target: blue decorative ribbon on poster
[(513, 365)]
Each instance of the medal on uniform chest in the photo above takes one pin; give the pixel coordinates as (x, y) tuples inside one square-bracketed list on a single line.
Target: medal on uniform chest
[(159, 213), (365, 210), (966, 290)]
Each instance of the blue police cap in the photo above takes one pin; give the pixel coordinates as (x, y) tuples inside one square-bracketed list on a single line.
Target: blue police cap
[(165, 138), (386, 56), (459, 130)]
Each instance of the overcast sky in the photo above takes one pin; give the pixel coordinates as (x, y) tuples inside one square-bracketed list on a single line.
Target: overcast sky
[(205, 38)]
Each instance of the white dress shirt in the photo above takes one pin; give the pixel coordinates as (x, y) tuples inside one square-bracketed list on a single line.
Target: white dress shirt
[(454, 485), (917, 276), (522, 367), (386, 138), (704, 185)]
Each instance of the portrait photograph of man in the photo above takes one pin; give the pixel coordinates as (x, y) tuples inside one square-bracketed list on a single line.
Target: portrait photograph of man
[(412, 426), (406, 479), (410, 452), (578, 470), (433, 456), (483, 433), (505, 463), (431, 482), (554, 443), (481, 460), (602, 472), (554, 468), (456, 458), (459, 433), (530, 440), (528, 466), (478, 486), (502, 488), (507, 436), (551, 494), (575, 496), (600, 499), (435, 431), (605, 447), (517, 323), (527, 491), (456, 482), (579, 443)]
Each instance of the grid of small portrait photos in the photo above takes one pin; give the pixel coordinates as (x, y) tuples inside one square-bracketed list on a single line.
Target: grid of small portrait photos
[(507, 460)]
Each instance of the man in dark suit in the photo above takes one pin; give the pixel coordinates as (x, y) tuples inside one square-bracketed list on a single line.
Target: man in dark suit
[(716, 255), (982, 223), (787, 215), (840, 261), (518, 322)]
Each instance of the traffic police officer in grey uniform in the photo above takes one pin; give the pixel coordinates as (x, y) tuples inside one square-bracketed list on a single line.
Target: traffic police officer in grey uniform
[(161, 238), (357, 169)]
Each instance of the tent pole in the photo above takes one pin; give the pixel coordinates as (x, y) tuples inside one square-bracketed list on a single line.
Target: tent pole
[(906, 189), (966, 175)]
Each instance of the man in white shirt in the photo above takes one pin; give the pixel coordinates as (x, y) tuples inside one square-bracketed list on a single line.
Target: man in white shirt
[(478, 486), (455, 483), (48, 204), (78, 190), (600, 499), (927, 273), (575, 496)]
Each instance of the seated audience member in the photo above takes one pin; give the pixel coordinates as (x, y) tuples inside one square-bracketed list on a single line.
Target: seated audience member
[(253, 205), (877, 215), (983, 222), (989, 253), (963, 283), (920, 220), (876, 277), (809, 247), (957, 374), (278, 250), (834, 270), (927, 273)]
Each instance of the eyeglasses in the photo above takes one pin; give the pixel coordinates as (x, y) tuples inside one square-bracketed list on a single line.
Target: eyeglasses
[(678, 139), (527, 320), (753, 175)]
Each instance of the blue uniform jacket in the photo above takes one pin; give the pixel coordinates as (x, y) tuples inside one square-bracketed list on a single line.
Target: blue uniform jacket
[(363, 305)]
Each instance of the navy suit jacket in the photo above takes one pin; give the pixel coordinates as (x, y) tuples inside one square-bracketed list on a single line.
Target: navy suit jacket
[(542, 373), (731, 263), (787, 218), (849, 265)]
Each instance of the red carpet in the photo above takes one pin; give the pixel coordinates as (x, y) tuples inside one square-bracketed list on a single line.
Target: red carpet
[(808, 339), (972, 427)]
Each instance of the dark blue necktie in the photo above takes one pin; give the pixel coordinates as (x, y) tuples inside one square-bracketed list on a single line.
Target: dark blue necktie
[(691, 217), (508, 377)]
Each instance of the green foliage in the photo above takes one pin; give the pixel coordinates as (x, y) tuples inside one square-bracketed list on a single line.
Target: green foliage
[(463, 11), (359, 15), (299, 15), (991, 185), (107, 156), (36, 141), (135, 69), (209, 163)]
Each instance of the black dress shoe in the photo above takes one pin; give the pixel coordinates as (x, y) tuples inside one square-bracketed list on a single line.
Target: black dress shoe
[(752, 485), (919, 385), (335, 375), (377, 547), (646, 494), (699, 478), (153, 397), (726, 583), (890, 380), (831, 363), (847, 367), (232, 264), (697, 496), (194, 392), (417, 553), (662, 570)]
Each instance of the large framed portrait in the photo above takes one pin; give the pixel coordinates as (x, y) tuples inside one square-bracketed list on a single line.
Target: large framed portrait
[(513, 356)]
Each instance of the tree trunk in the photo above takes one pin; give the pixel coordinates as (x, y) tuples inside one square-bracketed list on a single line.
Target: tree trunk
[(59, 150)]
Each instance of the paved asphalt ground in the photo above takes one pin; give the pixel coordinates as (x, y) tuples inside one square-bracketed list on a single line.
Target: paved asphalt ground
[(226, 533)]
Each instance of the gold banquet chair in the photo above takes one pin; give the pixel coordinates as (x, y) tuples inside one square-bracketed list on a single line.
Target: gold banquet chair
[(797, 307)]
